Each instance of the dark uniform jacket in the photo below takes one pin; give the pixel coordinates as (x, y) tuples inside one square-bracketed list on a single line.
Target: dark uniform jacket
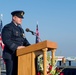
[(12, 36)]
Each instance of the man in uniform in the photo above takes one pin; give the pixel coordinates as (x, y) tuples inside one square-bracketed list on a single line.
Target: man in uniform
[(13, 38)]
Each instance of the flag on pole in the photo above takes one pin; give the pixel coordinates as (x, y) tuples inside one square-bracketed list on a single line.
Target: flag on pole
[(37, 40), (1, 43), (37, 34)]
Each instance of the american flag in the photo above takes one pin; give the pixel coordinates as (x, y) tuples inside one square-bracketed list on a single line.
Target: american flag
[(37, 34), (1, 43)]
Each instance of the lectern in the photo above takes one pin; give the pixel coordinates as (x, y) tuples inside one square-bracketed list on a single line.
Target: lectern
[(27, 55)]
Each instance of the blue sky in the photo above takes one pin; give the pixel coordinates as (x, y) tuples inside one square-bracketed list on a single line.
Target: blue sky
[(56, 21)]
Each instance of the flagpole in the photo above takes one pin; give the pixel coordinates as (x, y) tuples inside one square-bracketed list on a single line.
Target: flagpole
[(37, 22), (1, 16)]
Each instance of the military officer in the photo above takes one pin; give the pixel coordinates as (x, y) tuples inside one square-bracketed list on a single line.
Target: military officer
[(13, 38)]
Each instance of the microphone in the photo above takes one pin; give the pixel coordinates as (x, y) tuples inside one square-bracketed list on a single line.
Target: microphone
[(33, 33), (28, 30)]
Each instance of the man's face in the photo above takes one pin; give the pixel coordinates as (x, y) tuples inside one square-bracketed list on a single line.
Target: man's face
[(17, 20)]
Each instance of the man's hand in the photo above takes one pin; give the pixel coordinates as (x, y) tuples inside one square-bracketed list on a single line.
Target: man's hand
[(19, 47)]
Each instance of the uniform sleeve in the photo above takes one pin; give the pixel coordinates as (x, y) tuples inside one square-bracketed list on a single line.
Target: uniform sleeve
[(26, 43), (7, 39)]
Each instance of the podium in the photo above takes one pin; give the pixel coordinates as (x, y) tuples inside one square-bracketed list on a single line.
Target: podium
[(27, 56)]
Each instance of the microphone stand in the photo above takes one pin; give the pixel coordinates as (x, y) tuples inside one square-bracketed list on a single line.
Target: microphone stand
[(34, 33)]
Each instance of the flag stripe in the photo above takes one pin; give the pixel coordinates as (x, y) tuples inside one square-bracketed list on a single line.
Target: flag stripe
[(1, 43)]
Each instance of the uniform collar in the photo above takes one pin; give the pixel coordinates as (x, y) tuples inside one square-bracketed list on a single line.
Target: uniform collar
[(14, 23)]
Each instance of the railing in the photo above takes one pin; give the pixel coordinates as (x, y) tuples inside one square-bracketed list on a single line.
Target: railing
[(69, 70)]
